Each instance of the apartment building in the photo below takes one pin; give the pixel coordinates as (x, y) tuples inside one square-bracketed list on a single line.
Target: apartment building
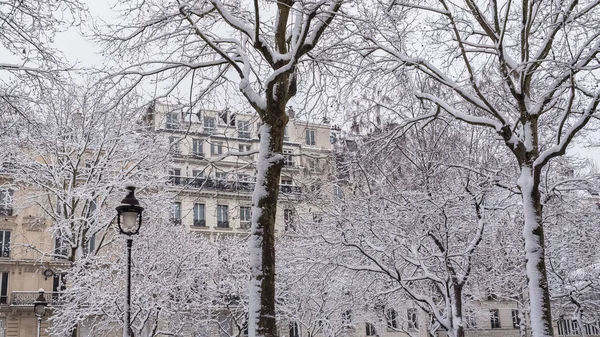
[(213, 169), (23, 266)]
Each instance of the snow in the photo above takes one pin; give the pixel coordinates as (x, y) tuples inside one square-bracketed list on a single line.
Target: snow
[(251, 94), (533, 253), (263, 162)]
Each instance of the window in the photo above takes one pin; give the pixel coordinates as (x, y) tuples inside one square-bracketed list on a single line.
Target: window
[(495, 318), (370, 329), (245, 217), (470, 319), (176, 213), (216, 148), (198, 179), (175, 176), (221, 175), (294, 330), (4, 288), (197, 147), (288, 160), (174, 145), (199, 219), (172, 121), (59, 282), (6, 198), (286, 136), (286, 185), (244, 148), (392, 318), (61, 246), (516, 320), (222, 216), (209, 124), (5, 243), (243, 128), (411, 318), (288, 219), (338, 192), (310, 137)]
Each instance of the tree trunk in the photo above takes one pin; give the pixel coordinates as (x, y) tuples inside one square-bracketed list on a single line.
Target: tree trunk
[(262, 237), (533, 233), (457, 312)]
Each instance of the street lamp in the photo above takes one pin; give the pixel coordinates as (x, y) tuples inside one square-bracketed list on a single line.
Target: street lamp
[(39, 307), (129, 219)]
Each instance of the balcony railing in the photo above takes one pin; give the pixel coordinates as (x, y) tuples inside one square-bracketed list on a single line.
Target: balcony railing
[(6, 211), (225, 185), (244, 134), (26, 298), (222, 224), (199, 223)]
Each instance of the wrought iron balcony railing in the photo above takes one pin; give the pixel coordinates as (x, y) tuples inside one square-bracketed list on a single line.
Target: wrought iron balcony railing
[(26, 298), (225, 185)]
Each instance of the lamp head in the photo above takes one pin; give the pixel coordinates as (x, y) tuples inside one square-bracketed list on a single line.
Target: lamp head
[(40, 304), (129, 213)]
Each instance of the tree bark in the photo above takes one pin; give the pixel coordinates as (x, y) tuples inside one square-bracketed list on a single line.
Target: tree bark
[(269, 165), (533, 233)]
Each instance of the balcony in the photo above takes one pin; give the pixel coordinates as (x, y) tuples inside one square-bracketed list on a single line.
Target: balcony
[(225, 185), (176, 221), (199, 223), (6, 211), (222, 224), (244, 134), (245, 224), (26, 298)]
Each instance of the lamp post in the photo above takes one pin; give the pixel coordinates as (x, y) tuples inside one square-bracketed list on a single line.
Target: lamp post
[(39, 307), (129, 220)]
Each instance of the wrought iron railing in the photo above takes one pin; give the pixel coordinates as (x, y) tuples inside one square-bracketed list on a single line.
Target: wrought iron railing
[(225, 185), (26, 298)]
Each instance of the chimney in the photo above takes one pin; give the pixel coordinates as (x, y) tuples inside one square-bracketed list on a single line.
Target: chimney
[(291, 113)]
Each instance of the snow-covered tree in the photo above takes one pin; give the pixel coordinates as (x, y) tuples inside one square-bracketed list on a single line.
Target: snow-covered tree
[(526, 71), (30, 61), (73, 157), (259, 49), (417, 215)]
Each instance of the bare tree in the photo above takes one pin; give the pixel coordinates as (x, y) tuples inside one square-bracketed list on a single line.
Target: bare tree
[(257, 47), (417, 217), (30, 62), (526, 71)]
